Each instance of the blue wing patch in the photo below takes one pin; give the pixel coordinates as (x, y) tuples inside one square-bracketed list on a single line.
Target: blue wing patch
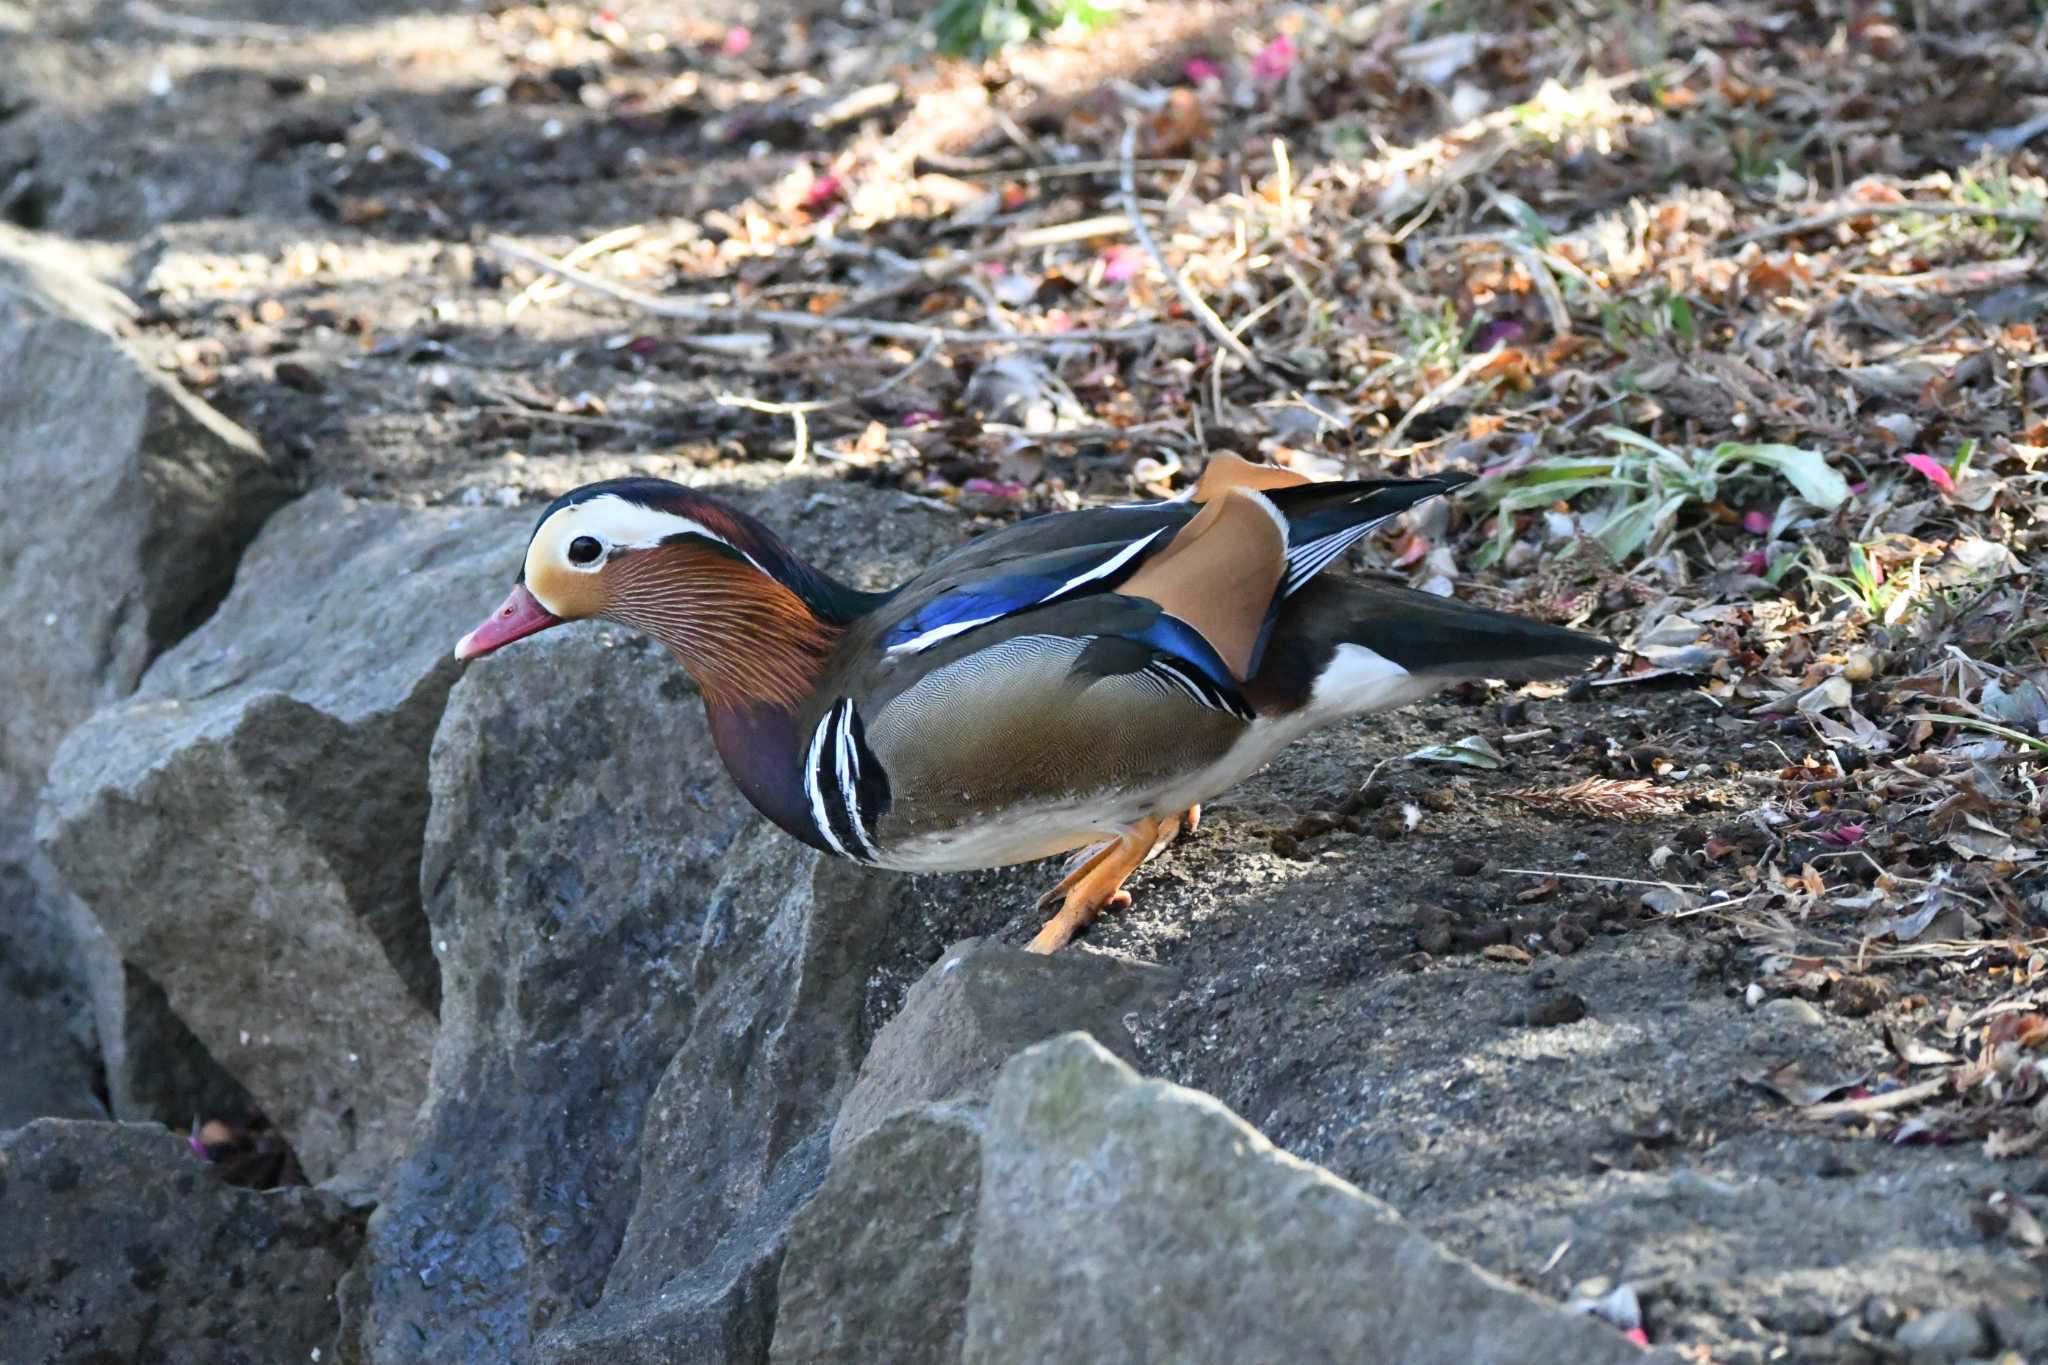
[(1093, 569), (1188, 664)]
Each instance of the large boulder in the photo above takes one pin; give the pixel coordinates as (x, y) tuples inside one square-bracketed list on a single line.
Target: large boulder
[(121, 1245), (1131, 1220), (878, 1262), (580, 817), (46, 1057), (248, 826), (978, 1007), (737, 1131), (153, 1069), (128, 503)]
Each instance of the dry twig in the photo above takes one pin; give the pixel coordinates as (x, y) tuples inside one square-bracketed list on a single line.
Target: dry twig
[(1206, 315)]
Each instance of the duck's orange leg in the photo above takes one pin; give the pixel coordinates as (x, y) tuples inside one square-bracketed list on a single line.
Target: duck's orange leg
[(1096, 883)]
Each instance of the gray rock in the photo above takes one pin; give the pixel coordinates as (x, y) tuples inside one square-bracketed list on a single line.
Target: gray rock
[(248, 826), (878, 1262), (153, 1069), (1944, 1334), (719, 1311), (47, 1064), (128, 503), (736, 1132), (121, 1245), (43, 1071), (1132, 1220), (571, 855), (979, 1006)]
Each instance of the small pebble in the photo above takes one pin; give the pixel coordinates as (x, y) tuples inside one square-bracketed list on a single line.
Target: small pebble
[(1688, 1183), (1944, 1334), (1853, 997), (1549, 1010), (1568, 935), (1491, 933), (1433, 932), (294, 375), (1790, 1010)]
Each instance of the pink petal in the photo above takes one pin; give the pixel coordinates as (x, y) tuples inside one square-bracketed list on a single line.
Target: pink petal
[(1756, 561), (823, 191), (737, 41), (1274, 60), (1200, 71), (1121, 263), (1638, 1336), (1756, 523), (1934, 469), (1414, 548)]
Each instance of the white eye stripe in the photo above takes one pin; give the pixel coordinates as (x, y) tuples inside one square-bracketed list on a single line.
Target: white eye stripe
[(617, 524), (629, 525)]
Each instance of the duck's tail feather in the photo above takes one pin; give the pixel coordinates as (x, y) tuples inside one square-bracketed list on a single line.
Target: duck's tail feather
[(1349, 645)]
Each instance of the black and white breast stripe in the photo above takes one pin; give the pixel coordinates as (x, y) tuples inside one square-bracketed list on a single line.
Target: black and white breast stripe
[(845, 784)]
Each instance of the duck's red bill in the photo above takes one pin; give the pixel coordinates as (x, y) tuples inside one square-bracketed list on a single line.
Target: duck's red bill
[(521, 616)]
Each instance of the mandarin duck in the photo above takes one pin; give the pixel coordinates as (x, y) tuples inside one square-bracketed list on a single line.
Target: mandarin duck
[(1076, 681)]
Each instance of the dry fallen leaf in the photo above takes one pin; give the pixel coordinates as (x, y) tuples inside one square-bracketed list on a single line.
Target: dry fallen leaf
[(1605, 798)]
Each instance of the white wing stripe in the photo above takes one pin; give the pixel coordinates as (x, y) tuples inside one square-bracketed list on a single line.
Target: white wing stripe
[(1106, 567), (919, 643), (1307, 560)]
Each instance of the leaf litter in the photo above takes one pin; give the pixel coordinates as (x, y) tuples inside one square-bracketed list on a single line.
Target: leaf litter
[(1775, 423)]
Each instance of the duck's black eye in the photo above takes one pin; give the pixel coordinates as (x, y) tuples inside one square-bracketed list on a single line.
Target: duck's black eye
[(585, 550)]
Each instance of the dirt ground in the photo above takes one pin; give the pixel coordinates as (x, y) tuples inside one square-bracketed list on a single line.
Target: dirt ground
[(1584, 1047)]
